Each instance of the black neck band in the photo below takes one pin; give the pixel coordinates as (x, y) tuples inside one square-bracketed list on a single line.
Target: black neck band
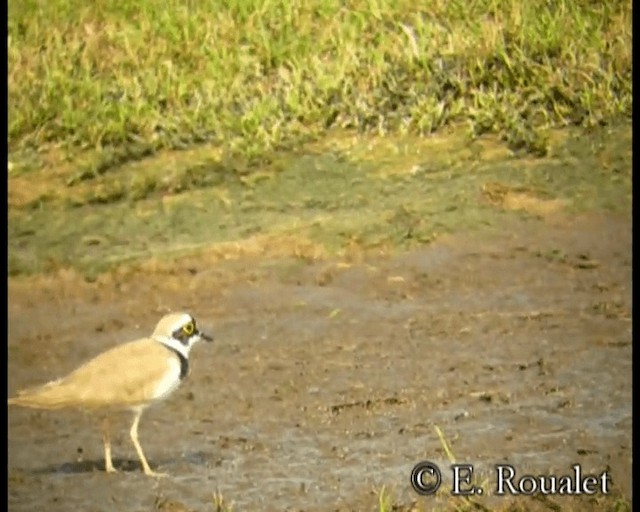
[(184, 362)]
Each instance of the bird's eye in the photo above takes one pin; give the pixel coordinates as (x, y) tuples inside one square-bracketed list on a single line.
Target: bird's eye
[(188, 328)]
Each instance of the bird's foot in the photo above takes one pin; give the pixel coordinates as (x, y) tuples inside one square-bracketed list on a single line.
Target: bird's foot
[(151, 472)]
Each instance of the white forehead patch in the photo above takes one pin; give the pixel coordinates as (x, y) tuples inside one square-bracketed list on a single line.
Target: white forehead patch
[(179, 322), (170, 323)]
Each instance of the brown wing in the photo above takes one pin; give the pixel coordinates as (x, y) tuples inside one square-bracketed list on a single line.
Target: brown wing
[(123, 376)]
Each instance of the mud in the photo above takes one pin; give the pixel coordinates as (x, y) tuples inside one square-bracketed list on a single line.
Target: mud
[(327, 378)]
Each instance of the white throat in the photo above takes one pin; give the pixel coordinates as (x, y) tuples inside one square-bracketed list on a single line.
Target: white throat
[(176, 345)]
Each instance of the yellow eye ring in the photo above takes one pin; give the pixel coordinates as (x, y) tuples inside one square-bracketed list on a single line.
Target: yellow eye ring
[(188, 328)]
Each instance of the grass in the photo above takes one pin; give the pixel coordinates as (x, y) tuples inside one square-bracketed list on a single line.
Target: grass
[(153, 118), (250, 77), (160, 128), (220, 504)]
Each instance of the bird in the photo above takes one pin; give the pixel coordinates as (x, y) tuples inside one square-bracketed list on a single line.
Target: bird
[(130, 376)]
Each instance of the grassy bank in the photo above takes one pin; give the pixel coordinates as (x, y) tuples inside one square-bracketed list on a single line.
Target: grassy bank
[(102, 95), (253, 76)]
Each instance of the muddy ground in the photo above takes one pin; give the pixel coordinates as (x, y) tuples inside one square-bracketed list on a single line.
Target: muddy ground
[(327, 378)]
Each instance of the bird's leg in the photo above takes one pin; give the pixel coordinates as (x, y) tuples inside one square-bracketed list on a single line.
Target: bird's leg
[(108, 463), (134, 437)]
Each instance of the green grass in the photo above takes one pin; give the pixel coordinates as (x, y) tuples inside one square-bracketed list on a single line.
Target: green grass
[(150, 128), (253, 76)]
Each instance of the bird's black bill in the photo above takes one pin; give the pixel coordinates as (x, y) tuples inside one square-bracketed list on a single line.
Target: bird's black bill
[(204, 336)]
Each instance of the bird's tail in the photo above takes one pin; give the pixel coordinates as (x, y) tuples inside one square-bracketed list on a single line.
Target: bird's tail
[(49, 396)]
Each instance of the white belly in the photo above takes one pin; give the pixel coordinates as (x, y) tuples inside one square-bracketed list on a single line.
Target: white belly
[(170, 381)]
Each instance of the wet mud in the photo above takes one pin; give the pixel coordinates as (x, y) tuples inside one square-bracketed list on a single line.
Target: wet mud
[(327, 378)]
